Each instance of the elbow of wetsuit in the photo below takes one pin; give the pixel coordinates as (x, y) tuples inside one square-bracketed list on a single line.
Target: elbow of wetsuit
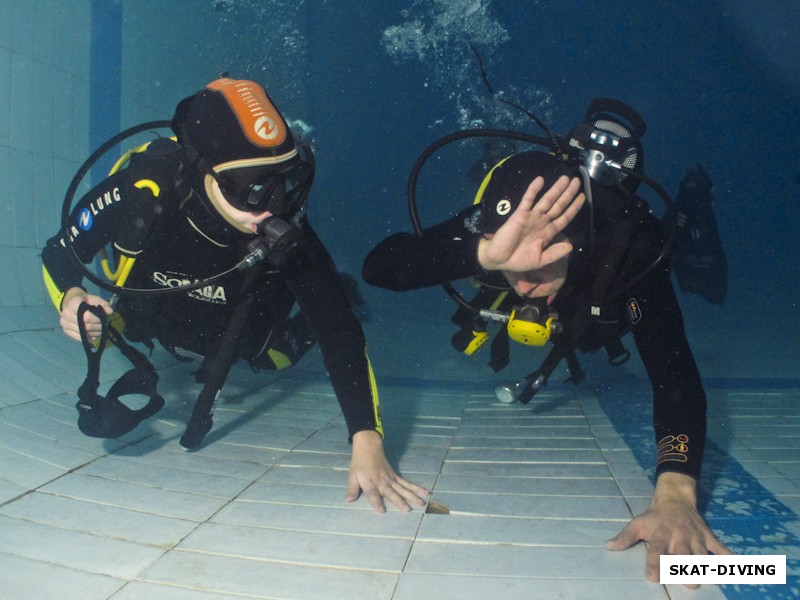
[(390, 266)]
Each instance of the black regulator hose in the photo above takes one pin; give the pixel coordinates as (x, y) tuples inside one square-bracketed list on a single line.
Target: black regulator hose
[(449, 139)]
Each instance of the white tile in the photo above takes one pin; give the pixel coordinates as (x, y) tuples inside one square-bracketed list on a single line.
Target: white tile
[(299, 494), (267, 434), (7, 29), (585, 442), (5, 101), (456, 528), (10, 490), (527, 430), (217, 446), (345, 518), (170, 455), (30, 579), (42, 101), (635, 486), (324, 550), (788, 469), (638, 504), (419, 438), (137, 590), (26, 378), (513, 455), (480, 419), (12, 394), (561, 507), (338, 460), (167, 478), (526, 561), (552, 470), (25, 470), (317, 476), (21, 130), (527, 485), (791, 502), (760, 469), (256, 578), (73, 549), (704, 592), (99, 519), (416, 586), (43, 448), (405, 464), (141, 498), (58, 421)]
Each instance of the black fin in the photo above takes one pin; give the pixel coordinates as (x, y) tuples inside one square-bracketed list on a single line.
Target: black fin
[(699, 259)]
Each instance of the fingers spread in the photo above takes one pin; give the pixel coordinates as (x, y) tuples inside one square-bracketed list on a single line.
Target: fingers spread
[(529, 197), (559, 196), (376, 500)]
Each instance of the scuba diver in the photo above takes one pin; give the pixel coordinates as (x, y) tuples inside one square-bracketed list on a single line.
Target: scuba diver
[(215, 256), (567, 251)]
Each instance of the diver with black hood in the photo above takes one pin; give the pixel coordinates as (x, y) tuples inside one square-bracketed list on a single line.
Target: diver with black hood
[(215, 255), (566, 251)]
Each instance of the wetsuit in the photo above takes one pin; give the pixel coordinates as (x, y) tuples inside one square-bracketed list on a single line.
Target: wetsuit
[(448, 251), (188, 242)]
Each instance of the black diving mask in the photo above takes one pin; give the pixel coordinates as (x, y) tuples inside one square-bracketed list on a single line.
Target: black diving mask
[(280, 192)]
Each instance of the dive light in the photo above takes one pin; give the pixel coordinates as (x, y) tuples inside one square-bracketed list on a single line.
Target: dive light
[(508, 394)]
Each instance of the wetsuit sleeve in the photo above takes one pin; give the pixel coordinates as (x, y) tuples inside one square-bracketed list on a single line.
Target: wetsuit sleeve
[(679, 401), (93, 223), (444, 253), (320, 294)]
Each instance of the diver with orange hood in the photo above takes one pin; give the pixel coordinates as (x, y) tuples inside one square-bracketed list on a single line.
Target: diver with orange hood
[(215, 255)]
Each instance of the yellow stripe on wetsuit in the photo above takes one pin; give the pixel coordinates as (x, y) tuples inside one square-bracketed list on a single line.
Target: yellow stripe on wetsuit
[(56, 295), (376, 403)]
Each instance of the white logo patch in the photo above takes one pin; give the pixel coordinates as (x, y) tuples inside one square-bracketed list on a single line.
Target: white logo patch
[(265, 128), (503, 207)]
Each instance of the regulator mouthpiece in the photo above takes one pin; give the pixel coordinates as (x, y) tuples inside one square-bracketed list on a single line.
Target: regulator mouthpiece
[(532, 325), (278, 242)]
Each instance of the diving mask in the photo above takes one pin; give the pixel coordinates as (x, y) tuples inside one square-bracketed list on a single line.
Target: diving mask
[(279, 192)]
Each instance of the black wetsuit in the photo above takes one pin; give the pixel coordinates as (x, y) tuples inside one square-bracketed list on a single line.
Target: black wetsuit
[(448, 251), (188, 243)]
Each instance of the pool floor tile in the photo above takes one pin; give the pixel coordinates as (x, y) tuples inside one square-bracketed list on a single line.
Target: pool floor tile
[(258, 511)]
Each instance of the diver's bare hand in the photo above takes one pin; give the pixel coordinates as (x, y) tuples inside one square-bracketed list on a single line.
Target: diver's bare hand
[(671, 525), (73, 298), (528, 240), (372, 474)]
